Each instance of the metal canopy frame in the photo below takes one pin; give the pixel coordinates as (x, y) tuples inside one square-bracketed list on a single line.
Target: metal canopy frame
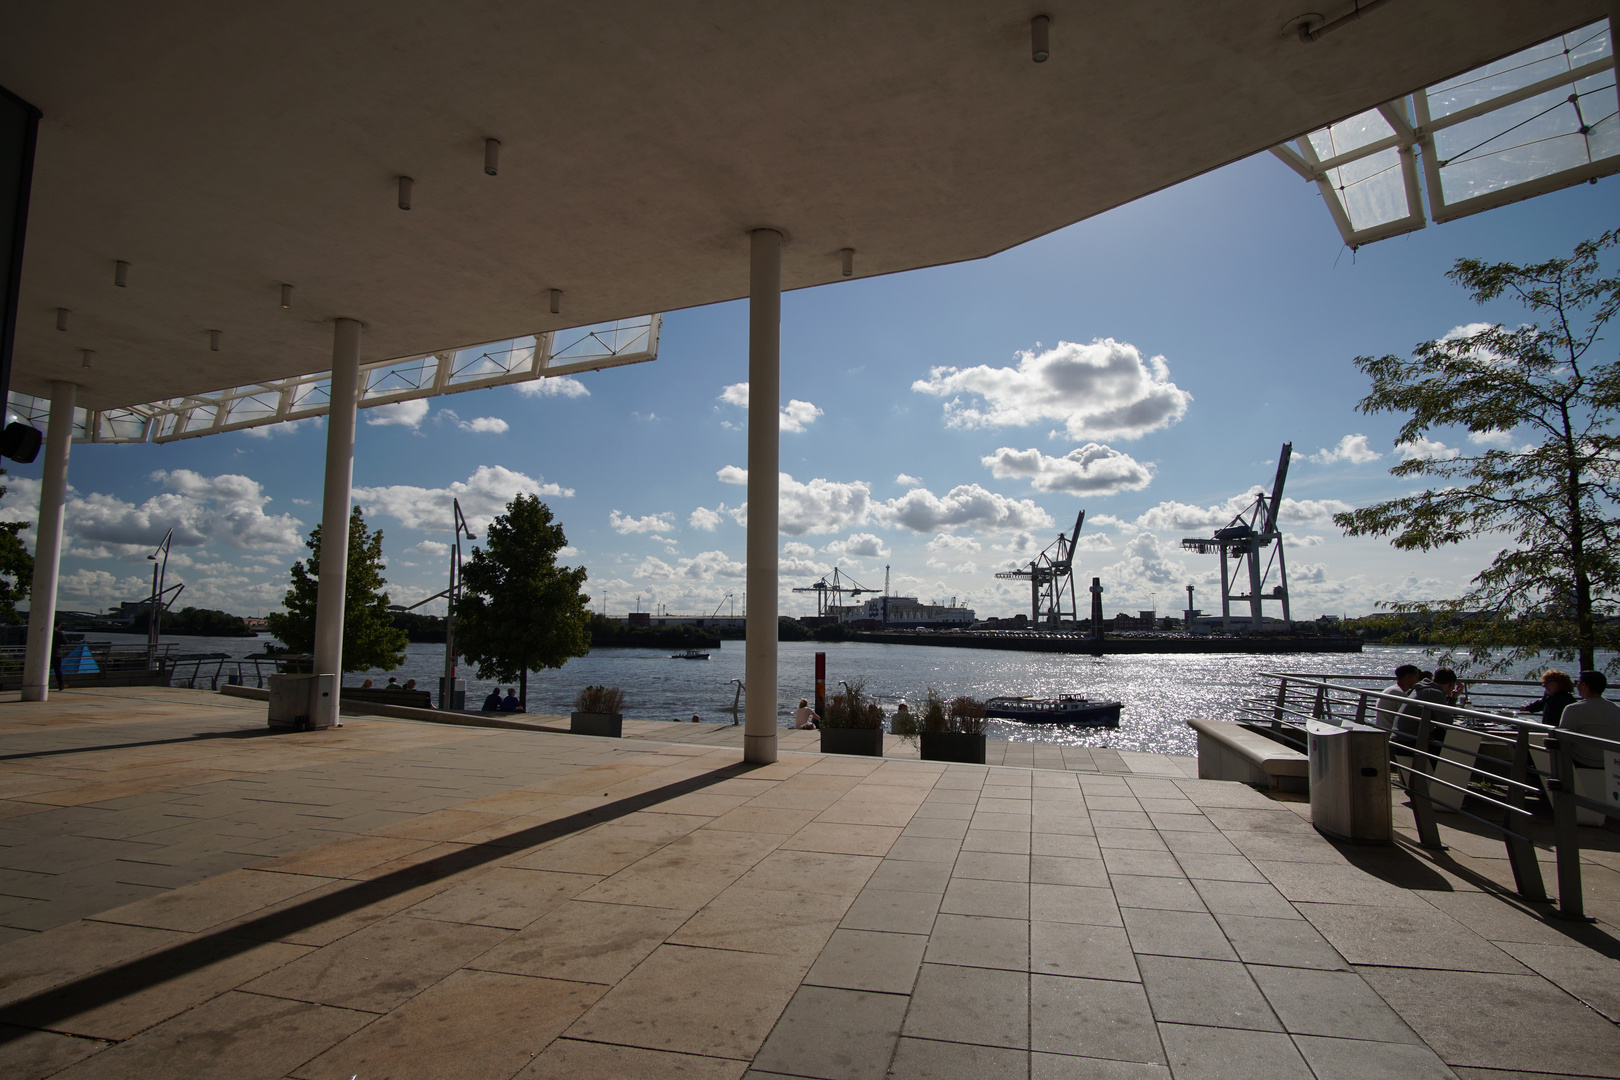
[(1545, 118), (384, 382)]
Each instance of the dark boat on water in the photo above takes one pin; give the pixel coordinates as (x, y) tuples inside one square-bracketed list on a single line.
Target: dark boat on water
[(690, 654), (1063, 709)]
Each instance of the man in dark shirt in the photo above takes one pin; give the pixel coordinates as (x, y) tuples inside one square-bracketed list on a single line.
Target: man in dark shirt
[(493, 702), (510, 703)]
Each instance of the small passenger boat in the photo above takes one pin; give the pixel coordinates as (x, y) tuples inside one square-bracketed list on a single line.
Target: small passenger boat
[(1063, 709), (690, 654)]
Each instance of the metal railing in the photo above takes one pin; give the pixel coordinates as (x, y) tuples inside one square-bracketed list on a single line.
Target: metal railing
[(107, 657), (189, 670), (1486, 753)]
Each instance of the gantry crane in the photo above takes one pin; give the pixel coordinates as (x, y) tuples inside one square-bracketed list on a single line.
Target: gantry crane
[(830, 591), (1241, 545), (1050, 577)]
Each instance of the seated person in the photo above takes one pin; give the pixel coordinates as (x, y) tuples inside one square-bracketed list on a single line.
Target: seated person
[(1557, 691), (393, 684), (1406, 677), (367, 685), (1441, 689), (804, 717), (493, 702), (1592, 715), (510, 702)]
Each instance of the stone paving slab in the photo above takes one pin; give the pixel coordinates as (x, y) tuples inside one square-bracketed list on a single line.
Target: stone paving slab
[(409, 900)]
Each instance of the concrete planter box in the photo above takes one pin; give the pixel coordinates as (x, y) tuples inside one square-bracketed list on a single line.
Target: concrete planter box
[(867, 741), (609, 725), (953, 746)]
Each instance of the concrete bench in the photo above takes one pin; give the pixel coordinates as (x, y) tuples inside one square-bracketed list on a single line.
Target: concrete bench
[(1229, 751)]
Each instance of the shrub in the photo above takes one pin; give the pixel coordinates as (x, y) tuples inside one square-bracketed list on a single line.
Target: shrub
[(851, 709), (600, 699), (965, 716)]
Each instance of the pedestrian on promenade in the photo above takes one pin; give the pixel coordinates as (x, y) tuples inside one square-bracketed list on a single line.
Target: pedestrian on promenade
[(1592, 715), (804, 717), (59, 648)]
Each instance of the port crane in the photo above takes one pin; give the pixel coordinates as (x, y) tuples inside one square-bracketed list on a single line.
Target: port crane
[(1051, 578), (831, 590), (1243, 544)]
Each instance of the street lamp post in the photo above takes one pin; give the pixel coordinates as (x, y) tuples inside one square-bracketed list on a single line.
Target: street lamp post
[(154, 610), (453, 594)]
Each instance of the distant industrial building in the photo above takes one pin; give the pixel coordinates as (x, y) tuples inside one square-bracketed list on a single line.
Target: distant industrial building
[(903, 611)]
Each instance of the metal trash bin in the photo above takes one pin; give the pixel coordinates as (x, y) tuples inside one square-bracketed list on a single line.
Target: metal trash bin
[(1350, 782), (302, 702)]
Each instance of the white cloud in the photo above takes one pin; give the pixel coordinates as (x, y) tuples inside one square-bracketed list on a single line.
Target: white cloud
[(1089, 470), (957, 546), (859, 545), (492, 425), (965, 505), (1184, 517), (1105, 390), (430, 547), (702, 567), (795, 417), (1307, 541), (483, 495), (731, 474), (1491, 438), (1351, 448), (908, 480), (797, 550), (1424, 449), (703, 518), (556, 386), (818, 506), (652, 523), (403, 413), (1148, 560)]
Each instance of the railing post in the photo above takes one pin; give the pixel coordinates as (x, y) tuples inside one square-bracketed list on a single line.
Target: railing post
[(1566, 836), (1361, 707), (1521, 853), (1282, 703), (1320, 709), (1417, 786)]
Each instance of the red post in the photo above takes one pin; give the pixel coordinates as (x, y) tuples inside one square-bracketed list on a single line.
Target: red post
[(821, 684)]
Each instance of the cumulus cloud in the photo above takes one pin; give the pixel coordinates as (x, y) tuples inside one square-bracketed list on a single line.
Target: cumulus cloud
[(731, 474), (430, 547), (1105, 390), (908, 480), (922, 511), (1425, 449), (958, 546), (491, 425), (555, 386), (796, 416), (1147, 559), (817, 506), (703, 518), (403, 413), (1184, 517), (1491, 438), (1089, 470), (858, 545), (1351, 448), (483, 495), (705, 566), (624, 525)]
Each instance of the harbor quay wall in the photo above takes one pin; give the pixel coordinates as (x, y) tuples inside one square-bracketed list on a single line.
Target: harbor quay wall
[(1117, 646)]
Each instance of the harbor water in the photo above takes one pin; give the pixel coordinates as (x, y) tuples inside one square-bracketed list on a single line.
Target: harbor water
[(1160, 692)]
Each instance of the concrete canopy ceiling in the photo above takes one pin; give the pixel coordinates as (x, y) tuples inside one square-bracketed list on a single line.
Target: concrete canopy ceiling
[(223, 149)]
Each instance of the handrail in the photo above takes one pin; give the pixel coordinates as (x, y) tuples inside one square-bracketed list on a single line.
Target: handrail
[(1302, 697)]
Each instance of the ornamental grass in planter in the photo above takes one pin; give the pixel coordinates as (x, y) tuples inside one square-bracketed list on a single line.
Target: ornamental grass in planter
[(598, 710), (853, 724), (952, 730)]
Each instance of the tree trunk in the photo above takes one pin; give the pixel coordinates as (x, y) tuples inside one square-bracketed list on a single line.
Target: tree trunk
[(523, 689)]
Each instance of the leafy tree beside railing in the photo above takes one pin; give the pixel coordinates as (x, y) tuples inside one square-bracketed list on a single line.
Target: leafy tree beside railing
[(16, 567), (1550, 391), (370, 638)]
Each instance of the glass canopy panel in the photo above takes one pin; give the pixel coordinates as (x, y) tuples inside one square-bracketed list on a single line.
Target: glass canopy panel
[(1372, 189), (491, 361), (122, 425), (1351, 134), (251, 407), (601, 341), (403, 377)]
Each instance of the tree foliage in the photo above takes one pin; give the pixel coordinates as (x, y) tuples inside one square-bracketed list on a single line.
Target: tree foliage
[(370, 638), (1548, 392), (16, 567), (519, 611)]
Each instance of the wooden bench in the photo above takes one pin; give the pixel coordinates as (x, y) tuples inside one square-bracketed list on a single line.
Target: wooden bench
[(1229, 751)]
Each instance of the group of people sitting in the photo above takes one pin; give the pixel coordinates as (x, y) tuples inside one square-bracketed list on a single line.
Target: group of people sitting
[(496, 703), (1571, 704)]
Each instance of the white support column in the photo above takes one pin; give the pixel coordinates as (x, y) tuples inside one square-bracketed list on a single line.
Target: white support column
[(332, 587), (764, 461), (48, 544)]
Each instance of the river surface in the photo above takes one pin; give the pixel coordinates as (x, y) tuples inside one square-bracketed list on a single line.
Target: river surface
[(1160, 692)]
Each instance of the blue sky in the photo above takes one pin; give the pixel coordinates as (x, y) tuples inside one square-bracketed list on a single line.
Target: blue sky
[(1145, 365)]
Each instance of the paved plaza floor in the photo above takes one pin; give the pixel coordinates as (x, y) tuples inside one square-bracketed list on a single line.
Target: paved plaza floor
[(184, 894)]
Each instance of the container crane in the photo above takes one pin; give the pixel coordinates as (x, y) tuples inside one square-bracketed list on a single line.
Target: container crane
[(831, 590), (1241, 545), (1051, 577)]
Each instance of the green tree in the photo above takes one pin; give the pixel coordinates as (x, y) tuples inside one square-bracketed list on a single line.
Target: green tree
[(519, 611), (16, 567), (1553, 388), (370, 638)]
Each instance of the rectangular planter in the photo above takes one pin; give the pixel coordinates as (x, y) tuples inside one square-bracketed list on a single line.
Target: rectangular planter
[(868, 741), (609, 725), (953, 746)]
